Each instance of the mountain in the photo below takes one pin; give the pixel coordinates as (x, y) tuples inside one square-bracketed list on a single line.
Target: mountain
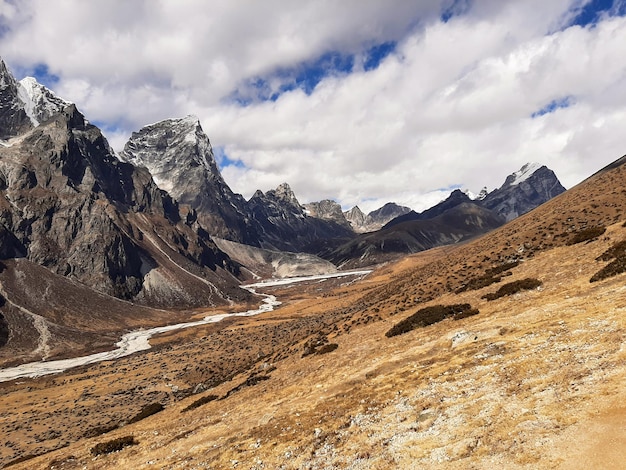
[(179, 156), (327, 210), (459, 223), (285, 225), (523, 190), (376, 219), (456, 198), (69, 205)]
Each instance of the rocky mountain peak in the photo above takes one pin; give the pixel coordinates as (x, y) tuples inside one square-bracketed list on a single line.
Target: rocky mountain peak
[(523, 174), (40, 103), (284, 193), (178, 154), (327, 210), (13, 117), (523, 190)]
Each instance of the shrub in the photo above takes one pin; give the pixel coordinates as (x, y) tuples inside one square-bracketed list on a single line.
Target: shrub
[(513, 288), (617, 253), (430, 315), (113, 445), (330, 347), (146, 411), (615, 267), (99, 430), (587, 234), (617, 250), (199, 402), (490, 277)]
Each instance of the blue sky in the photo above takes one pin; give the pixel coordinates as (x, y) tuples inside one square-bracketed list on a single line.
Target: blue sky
[(361, 101)]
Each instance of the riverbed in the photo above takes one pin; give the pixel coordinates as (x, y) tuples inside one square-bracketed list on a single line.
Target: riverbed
[(138, 340)]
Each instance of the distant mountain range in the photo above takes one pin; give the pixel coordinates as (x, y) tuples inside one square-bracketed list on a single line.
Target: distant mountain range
[(141, 226)]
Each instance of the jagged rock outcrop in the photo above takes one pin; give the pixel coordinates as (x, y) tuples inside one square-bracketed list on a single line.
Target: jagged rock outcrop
[(179, 156), (13, 117), (524, 190), (327, 210), (284, 224), (356, 218), (376, 219)]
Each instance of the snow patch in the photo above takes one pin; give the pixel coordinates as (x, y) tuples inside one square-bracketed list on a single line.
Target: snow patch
[(40, 103), (526, 172)]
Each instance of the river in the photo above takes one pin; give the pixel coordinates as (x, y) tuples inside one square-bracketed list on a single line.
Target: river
[(138, 340)]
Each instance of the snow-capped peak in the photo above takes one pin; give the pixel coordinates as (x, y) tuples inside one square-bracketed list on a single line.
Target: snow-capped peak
[(40, 103), (524, 173)]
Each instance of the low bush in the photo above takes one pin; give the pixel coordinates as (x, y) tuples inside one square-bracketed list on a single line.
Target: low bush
[(617, 250), (99, 430), (491, 276), (199, 402), (615, 267), (330, 347), (113, 445), (430, 315), (587, 234), (146, 411), (513, 288), (617, 253)]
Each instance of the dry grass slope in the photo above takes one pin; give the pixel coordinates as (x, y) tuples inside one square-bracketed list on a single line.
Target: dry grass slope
[(534, 381)]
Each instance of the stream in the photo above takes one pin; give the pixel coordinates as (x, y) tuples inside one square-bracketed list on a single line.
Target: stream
[(138, 340)]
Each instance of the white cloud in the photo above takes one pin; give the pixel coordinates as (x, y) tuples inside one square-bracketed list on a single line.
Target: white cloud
[(451, 106)]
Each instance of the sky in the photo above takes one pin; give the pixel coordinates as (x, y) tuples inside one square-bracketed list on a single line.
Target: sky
[(360, 101)]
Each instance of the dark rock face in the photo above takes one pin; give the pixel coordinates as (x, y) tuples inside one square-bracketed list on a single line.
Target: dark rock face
[(284, 224), (456, 198), (179, 156), (13, 117), (523, 191)]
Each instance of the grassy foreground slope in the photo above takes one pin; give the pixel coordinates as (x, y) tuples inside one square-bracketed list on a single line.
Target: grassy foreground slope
[(535, 380)]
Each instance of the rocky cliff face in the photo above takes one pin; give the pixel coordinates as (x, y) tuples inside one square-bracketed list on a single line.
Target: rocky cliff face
[(13, 117), (376, 219), (178, 154), (284, 224), (523, 190)]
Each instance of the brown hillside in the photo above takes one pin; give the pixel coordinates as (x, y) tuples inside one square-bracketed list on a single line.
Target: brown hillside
[(534, 380)]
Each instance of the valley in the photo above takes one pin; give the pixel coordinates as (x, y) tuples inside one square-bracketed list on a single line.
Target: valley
[(483, 332), (534, 379)]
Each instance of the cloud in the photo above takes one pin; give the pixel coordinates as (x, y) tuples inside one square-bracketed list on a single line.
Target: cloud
[(363, 102)]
